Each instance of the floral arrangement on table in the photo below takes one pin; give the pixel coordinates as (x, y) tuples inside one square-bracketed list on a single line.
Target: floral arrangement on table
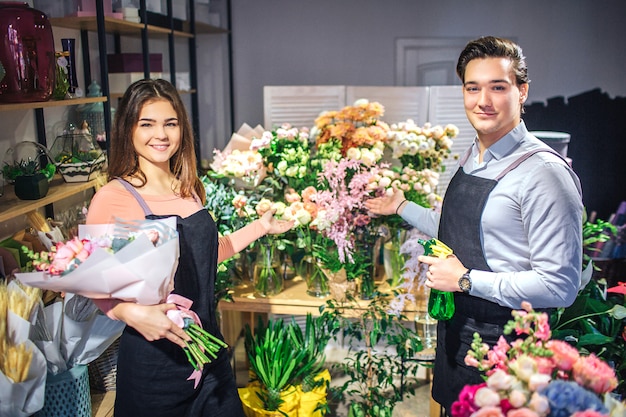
[(536, 376), (89, 265), (325, 175)]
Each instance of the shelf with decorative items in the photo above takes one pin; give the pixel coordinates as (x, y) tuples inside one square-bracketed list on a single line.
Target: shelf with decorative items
[(12, 207)]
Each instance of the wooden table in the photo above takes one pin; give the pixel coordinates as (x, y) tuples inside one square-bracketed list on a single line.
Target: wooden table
[(293, 300)]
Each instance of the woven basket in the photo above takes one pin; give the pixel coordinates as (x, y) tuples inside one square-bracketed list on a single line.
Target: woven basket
[(103, 371), (67, 394)]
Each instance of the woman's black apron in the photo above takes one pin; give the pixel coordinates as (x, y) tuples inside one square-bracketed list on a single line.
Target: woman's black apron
[(152, 377), (459, 228)]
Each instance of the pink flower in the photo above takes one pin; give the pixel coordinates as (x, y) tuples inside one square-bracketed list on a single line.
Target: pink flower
[(565, 355), (65, 255), (308, 193), (488, 412), (292, 196), (471, 361), (465, 406), (542, 332), (595, 374), (544, 365), (522, 412)]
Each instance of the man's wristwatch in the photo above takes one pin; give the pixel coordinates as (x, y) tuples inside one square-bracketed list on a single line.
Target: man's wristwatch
[(465, 282)]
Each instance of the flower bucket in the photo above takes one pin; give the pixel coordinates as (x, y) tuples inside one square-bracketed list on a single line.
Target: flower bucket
[(67, 394), (253, 407)]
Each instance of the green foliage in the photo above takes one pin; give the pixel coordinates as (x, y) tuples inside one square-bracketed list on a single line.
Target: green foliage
[(281, 356), (371, 370), (596, 323), (600, 231), (28, 167)]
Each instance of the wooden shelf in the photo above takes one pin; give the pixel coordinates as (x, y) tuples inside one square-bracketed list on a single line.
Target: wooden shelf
[(52, 103), (123, 27), (11, 206)]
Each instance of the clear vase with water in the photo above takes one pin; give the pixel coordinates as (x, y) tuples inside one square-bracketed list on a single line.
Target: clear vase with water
[(267, 274)]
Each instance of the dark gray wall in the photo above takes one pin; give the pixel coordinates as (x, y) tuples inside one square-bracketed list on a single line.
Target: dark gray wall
[(571, 46)]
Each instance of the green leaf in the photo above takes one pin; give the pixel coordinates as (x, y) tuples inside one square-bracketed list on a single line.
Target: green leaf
[(593, 339)]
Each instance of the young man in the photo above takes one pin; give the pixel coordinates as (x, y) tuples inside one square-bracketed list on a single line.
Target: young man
[(512, 214)]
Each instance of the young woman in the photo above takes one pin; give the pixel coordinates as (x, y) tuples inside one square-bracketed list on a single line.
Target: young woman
[(152, 174)]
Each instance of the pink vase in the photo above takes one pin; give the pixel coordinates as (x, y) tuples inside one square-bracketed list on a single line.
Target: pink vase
[(26, 54)]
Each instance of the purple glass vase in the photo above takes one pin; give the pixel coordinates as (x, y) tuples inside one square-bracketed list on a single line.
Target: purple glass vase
[(27, 59)]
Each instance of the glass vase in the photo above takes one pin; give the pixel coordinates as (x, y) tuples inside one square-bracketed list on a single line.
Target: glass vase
[(267, 274), (393, 260), (371, 248), (26, 54), (312, 271)]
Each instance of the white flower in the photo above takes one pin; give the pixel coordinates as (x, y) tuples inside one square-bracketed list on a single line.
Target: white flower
[(353, 154), (500, 380), (384, 182), (538, 381), (539, 404), (518, 398), (486, 397)]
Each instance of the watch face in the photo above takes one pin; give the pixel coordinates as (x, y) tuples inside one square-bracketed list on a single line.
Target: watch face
[(465, 284)]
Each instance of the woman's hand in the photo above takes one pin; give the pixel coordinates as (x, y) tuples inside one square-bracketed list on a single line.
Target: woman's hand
[(272, 225), (388, 204), (151, 321)]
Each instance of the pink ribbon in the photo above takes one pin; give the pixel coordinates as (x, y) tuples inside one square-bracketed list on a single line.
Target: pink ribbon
[(183, 310)]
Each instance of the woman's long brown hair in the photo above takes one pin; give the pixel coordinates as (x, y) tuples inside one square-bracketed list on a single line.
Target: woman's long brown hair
[(123, 159)]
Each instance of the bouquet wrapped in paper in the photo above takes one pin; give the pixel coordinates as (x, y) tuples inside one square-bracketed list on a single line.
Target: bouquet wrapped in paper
[(129, 261), (142, 270), (22, 365), (238, 161)]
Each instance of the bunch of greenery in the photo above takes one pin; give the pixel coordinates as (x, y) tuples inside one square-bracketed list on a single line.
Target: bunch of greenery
[(379, 345), (282, 356)]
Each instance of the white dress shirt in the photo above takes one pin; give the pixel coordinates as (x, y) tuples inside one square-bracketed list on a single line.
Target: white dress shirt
[(531, 228)]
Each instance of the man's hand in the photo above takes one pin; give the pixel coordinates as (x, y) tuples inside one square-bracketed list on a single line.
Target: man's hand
[(386, 205)]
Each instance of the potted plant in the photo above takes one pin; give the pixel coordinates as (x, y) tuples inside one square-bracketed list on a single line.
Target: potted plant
[(287, 367), (379, 345), (31, 182)]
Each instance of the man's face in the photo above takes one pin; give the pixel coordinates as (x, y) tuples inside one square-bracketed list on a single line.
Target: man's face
[(492, 100)]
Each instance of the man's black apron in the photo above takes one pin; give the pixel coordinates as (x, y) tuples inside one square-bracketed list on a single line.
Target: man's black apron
[(162, 366), (459, 228)]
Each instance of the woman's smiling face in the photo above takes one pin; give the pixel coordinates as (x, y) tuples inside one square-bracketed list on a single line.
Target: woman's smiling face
[(157, 135)]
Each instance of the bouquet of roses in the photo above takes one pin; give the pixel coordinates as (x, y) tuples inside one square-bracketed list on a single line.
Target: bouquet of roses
[(130, 261), (536, 376)]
